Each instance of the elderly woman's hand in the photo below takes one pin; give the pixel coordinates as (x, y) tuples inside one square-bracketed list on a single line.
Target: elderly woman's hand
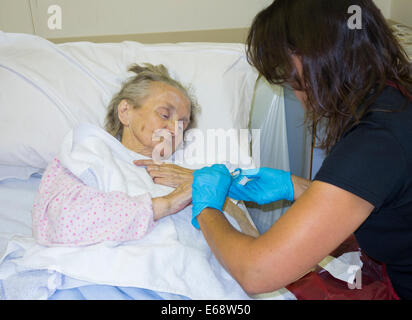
[(175, 201), (167, 174)]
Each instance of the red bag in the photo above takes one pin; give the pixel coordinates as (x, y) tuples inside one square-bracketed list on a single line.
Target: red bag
[(400, 88), (321, 285)]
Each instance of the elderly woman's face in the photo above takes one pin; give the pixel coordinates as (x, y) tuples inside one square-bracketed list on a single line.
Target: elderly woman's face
[(166, 109)]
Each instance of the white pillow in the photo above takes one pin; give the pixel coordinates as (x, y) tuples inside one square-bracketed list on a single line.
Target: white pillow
[(47, 89)]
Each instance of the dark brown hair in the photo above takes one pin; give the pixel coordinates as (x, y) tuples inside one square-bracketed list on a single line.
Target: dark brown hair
[(344, 69)]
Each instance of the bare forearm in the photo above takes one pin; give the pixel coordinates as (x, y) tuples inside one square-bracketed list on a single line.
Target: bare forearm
[(161, 208), (300, 185), (229, 246)]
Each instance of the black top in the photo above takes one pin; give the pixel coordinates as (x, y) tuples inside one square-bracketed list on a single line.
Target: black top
[(374, 161)]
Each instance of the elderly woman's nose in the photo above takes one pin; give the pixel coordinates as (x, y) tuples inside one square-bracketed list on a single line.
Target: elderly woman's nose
[(170, 126)]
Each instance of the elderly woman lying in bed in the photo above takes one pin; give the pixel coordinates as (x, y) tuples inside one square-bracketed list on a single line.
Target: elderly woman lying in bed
[(68, 211)]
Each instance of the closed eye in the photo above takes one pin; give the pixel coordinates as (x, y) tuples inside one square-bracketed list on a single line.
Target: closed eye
[(164, 113)]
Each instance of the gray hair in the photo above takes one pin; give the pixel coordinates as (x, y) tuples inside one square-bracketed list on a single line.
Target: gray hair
[(136, 89)]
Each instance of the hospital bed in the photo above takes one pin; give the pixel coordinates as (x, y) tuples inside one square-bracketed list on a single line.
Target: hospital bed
[(40, 103), (49, 89)]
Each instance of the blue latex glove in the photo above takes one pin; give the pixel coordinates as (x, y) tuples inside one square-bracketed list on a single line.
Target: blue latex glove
[(263, 186), (209, 189)]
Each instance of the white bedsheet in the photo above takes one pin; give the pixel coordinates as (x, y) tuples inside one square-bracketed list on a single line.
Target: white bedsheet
[(20, 280), (173, 258)]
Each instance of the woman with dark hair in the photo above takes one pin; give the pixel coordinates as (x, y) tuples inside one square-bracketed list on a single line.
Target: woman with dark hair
[(358, 83)]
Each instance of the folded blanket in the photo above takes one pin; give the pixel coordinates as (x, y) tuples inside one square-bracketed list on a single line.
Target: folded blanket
[(102, 162)]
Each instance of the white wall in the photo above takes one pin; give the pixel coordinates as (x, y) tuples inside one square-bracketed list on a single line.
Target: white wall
[(385, 6), (15, 16), (397, 10), (401, 11), (111, 17)]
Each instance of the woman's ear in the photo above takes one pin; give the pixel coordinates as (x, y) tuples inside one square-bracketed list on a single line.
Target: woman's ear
[(123, 112)]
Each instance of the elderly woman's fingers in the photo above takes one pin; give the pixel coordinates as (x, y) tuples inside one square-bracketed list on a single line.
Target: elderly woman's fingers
[(167, 179), (166, 182), (166, 173), (156, 173), (154, 168), (151, 165), (143, 162)]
